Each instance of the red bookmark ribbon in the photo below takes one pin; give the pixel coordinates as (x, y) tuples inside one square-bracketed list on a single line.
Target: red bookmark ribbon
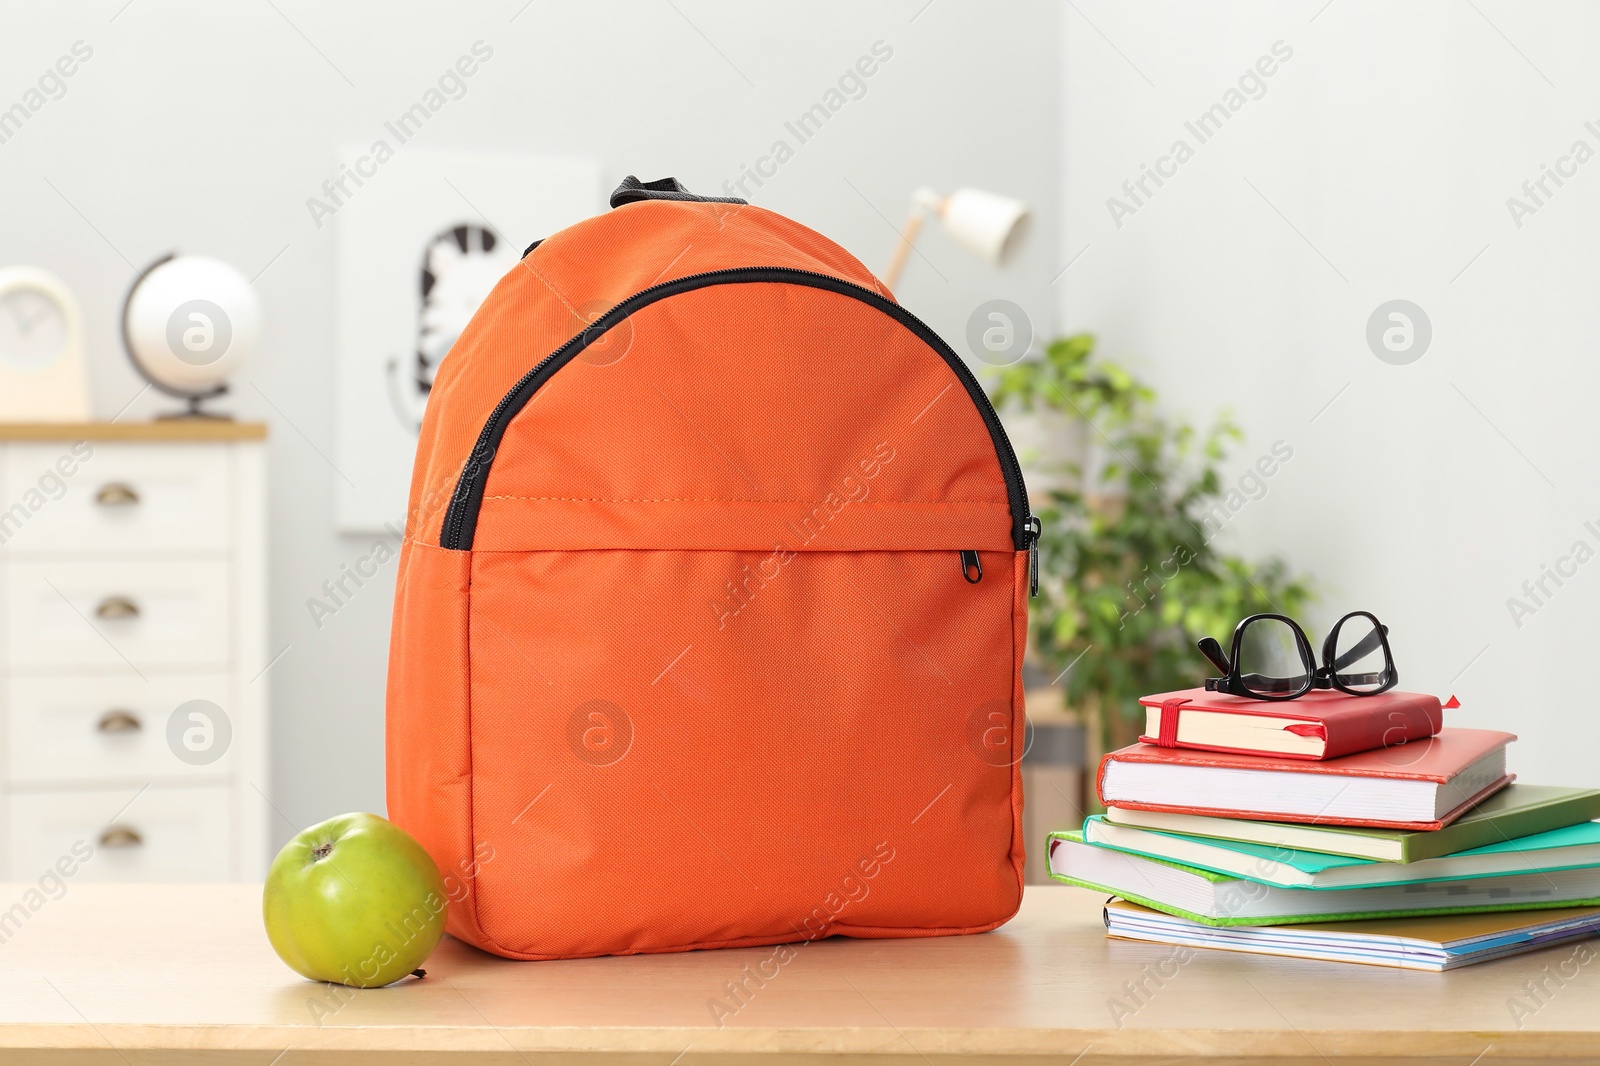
[(1168, 737)]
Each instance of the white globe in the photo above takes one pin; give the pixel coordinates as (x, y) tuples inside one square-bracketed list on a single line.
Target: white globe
[(191, 322)]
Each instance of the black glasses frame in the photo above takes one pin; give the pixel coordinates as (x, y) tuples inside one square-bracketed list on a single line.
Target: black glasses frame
[(1325, 676)]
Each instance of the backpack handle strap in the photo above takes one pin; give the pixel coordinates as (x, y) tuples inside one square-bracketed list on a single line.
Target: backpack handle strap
[(632, 190)]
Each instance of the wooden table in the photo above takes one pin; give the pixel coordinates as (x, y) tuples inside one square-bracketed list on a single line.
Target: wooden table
[(146, 974)]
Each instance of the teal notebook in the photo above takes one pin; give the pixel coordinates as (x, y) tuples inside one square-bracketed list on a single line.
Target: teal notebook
[(1559, 849), (1221, 900)]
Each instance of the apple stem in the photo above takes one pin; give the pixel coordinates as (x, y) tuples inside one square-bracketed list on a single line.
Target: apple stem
[(419, 972)]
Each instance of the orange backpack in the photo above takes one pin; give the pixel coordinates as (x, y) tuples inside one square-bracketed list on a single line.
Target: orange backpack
[(712, 602)]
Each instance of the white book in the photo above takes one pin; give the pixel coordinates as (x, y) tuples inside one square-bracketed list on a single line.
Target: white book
[(1435, 943)]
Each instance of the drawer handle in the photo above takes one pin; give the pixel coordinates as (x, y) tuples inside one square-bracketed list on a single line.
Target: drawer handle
[(116, 494), (121, 836), (114, 607), (119, 721)]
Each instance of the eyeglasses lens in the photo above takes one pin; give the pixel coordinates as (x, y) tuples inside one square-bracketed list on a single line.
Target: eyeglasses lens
[(1360, 663), (1270, 662)]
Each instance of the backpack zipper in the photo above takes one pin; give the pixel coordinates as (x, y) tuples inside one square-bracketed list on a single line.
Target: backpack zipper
[(461, 518), (1035, 527), (971, 567)]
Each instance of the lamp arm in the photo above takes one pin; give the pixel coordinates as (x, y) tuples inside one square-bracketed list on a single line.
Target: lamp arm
[(923, 201), (902, 249)]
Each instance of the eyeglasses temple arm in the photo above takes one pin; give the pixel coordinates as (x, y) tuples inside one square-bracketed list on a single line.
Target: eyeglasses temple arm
[(1214, 654)]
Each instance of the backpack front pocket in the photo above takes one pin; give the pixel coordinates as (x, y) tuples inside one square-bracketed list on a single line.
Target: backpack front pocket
[(689, 748)]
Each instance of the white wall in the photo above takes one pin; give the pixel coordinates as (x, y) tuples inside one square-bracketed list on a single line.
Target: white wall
[(204, 127), (1376, 166)]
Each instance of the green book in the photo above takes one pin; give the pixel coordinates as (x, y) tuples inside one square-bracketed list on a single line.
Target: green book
[(1220, 900), (1515, 811), (1570, 848)]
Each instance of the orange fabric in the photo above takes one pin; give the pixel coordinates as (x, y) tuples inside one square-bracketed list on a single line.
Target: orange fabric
[(711, 673)]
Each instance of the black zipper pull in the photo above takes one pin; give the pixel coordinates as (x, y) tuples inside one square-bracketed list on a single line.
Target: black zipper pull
[(971, 567), (1035, 527)]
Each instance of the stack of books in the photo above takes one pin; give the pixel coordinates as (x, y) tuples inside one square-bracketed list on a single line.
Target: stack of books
[(1333, 827)]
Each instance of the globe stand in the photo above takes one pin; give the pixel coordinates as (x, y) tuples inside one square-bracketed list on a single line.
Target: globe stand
[(194, 412)]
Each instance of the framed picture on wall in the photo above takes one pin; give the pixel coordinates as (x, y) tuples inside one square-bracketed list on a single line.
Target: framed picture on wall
[(420, 242)]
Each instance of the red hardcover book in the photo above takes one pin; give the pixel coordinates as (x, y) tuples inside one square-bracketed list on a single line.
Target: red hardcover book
[(1422, 784), (1322, 724)]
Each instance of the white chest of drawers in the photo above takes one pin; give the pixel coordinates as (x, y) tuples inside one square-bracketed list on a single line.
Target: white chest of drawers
[(133, 695)]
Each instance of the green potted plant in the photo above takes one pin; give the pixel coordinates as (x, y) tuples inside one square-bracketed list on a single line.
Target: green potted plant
[(1130, 575)]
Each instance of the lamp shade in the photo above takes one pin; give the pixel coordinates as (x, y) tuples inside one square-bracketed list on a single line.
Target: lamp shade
[(987, 224), (189, 322)]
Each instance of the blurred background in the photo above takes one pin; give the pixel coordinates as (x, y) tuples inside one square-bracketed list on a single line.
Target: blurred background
[(1305, 289)]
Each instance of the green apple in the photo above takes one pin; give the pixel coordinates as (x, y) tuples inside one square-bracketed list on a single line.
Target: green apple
[(354, 900)]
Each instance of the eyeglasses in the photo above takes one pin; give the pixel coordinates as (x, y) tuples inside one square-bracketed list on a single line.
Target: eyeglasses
[(1272, 660)]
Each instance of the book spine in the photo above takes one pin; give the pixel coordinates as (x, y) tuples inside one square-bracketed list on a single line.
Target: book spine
[(1100, 778)]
